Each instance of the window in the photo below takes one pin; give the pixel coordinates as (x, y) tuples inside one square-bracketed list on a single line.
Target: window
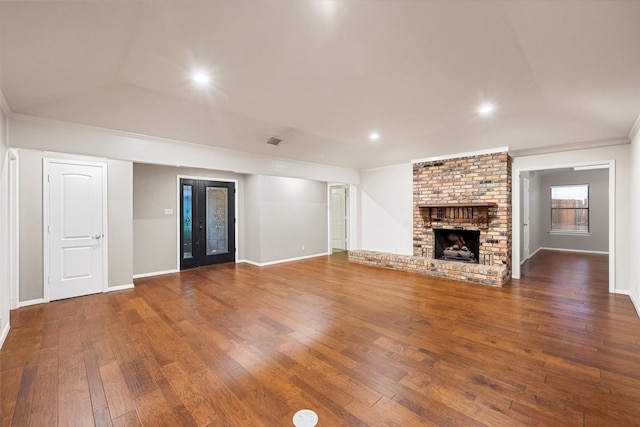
[(570, 209)]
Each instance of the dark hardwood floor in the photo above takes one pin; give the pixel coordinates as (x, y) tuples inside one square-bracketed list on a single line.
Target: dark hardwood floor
[(238, 345)]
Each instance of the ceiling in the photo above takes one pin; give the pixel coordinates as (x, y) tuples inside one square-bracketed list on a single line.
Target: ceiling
[(322, 75)]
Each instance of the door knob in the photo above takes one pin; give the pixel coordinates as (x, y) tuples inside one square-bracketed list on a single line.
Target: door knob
[(96, 236)]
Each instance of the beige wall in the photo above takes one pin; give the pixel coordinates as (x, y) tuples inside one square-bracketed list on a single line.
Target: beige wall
[(119, 224), (155, 235), (286, 214), (30, 230)]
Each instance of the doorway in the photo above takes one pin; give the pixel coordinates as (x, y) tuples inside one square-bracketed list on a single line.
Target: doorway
[(207, 222), (609, 204), (339, 218)]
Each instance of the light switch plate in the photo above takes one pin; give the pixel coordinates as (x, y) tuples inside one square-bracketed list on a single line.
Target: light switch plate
[(168, 211)]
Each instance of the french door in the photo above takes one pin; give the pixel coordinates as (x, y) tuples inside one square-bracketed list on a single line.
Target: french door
[(207, 217)]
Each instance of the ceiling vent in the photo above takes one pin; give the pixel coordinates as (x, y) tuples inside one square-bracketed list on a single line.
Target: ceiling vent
[(274, 141)]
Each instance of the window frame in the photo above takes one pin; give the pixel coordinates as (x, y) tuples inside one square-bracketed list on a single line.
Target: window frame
[(586, 232)]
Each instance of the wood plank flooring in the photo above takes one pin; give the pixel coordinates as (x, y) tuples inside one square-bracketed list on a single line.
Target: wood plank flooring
[(238, 345)]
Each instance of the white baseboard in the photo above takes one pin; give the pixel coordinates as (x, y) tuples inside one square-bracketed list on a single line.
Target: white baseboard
[(5, 332), (569, 250), (635, 303), (264, 264), (155, 273), (31, 302), (119, 287)]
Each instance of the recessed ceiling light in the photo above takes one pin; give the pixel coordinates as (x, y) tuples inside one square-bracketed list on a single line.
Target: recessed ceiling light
[(201, 78), (486, 109), (374, 136)]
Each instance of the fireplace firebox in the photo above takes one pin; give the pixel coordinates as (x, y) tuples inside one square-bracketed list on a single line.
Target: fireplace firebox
[(457, 245)]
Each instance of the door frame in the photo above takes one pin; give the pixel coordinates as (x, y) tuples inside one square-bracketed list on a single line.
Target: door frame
[(526, 227), (14, 228), (47, 161), (179, 214), (348, 197), (517, 216)]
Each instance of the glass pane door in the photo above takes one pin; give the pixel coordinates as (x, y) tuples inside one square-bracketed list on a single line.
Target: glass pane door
[(217, 224), (207, 215)]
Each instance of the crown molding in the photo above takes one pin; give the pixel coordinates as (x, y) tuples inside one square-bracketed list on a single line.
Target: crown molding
[(584, 145), (459, 155)]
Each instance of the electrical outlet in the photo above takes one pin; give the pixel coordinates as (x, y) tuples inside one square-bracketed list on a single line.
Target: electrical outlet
[(303, 247)]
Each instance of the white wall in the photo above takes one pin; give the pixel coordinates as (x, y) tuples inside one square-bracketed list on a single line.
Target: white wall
[(286, 218), (634, 276), (620, 154), (5, 291), (386, 209)]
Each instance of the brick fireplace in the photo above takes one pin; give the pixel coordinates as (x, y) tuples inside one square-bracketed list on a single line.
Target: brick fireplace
[(466, 194), (458, 202)]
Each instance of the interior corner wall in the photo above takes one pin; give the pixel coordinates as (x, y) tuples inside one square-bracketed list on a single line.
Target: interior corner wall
[(288, 218), (386, 209), (5, 291), (119, 223), (155, 235)]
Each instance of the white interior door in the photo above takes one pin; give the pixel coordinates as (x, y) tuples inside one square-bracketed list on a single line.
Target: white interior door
[(75, 204), (339, 218), (525, 219)]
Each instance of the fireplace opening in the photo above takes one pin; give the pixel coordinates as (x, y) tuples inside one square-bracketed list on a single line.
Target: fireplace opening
[(457, 245)]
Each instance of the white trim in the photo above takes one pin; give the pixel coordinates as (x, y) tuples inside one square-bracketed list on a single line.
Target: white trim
[(120, 287), (155, 273), (14, 229), (47, 161), (264, 264), (585, 145), (459, 155), (569, 233), (635, 303), (516, 214), (178, 213), (379, 168), (612, 226), (587, 168), (31, 302), (534, 252), (3, 335), (543, 248)]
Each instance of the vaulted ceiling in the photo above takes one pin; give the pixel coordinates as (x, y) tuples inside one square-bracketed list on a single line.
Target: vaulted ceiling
[(323, 75)]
